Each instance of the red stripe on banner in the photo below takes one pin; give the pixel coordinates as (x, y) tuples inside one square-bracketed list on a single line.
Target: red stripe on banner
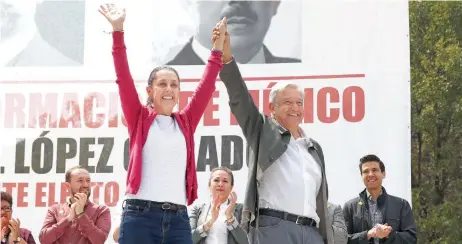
[(303, 77), (264, 78)]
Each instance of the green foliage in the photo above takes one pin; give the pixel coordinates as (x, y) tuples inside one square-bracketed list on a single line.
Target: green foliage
[(436, 98)]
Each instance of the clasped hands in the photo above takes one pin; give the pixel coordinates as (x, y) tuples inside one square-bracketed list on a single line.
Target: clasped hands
[(217, 201), (14, 228), (221, 32), (78, 206), (379, 231), (216, 204)]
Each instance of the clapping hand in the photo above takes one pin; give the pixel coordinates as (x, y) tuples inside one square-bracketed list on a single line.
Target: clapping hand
[(232, 202), (216, 203), (383, 231), (72, 213), (4, 231), (215, 209), (14, 226), (115, 16), (81, 200)]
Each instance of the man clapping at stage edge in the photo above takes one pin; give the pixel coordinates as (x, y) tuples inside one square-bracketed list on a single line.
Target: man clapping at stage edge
[(78, 221)]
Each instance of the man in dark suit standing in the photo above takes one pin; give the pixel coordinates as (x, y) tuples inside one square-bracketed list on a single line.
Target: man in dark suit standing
[(248, 23)]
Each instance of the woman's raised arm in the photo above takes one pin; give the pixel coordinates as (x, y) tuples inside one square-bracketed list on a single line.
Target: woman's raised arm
[(130, 101), (204, 91)]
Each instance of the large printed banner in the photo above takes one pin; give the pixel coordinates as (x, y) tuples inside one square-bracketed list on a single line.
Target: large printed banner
[(60, 106)]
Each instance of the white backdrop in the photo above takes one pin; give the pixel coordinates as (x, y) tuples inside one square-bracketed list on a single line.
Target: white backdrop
[(347, 47)]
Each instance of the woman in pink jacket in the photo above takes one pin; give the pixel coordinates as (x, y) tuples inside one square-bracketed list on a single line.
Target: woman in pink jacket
[(161, 178)]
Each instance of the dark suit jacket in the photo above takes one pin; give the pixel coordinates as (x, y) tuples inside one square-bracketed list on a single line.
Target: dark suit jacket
[(266, 142), (187, 56), (198, 217), (396, 212)]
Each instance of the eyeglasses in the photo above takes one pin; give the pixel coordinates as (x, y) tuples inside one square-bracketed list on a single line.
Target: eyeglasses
[(6, 209)]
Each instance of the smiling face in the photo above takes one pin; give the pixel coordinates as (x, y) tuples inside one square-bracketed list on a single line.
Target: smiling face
[(372, 175), (287, 108), (164, 91), (79, 182)]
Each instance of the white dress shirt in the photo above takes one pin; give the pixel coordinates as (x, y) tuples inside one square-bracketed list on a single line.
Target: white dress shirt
[(218, 234), (292, 182)]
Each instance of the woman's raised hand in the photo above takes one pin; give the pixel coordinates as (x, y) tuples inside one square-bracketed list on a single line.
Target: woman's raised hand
[(114, 15)]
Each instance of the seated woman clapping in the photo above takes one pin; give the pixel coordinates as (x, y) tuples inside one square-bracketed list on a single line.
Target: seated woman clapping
[(218, 220)]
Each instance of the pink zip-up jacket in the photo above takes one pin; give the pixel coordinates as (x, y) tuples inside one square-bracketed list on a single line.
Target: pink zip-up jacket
[(139, 117)]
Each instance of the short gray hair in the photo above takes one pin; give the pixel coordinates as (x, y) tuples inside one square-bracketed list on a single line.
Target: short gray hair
[(281, 86)]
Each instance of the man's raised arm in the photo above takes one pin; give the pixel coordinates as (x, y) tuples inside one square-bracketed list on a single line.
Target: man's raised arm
[(240, 101)]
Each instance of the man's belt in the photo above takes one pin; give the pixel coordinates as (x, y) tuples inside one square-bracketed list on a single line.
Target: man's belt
[(300, 220)]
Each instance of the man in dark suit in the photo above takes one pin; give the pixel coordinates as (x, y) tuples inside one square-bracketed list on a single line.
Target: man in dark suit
[(248, 22)]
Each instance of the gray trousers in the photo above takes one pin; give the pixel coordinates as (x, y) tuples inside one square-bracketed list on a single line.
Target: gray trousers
[(274, 230)]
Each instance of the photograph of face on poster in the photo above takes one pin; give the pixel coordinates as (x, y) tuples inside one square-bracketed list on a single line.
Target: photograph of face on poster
[(178, 32), (71, 33), (250, 24), (42, 33)]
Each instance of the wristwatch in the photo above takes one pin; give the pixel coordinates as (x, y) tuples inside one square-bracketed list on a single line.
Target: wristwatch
[(17, 240)]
